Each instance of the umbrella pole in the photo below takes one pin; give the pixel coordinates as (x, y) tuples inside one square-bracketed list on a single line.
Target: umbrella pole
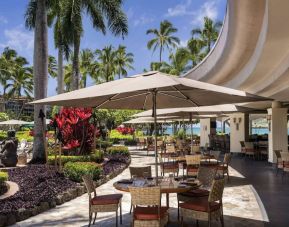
[(156, 134), (191, 123)]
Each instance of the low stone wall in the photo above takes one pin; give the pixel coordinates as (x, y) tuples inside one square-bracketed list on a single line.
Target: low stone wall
[(22, 214)]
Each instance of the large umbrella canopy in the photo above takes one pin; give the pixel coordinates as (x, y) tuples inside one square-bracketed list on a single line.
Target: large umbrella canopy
[(137, 92), (203, 110), (14, 122), (150, 90), (47, 122), (149, 120)]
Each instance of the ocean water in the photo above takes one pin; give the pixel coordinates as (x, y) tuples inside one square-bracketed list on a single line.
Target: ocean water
[(196, 131)]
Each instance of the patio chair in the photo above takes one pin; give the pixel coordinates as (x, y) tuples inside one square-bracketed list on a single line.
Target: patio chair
[(243, 148), (193, 164), (139, 172), (151, 147), (250, 149), (285, 161), (196, 149), (224, 166), (168, 167), (263, 149), (208, 208), (147, 209), (206, 176), (101, 203), (141, 143), (279, 163)]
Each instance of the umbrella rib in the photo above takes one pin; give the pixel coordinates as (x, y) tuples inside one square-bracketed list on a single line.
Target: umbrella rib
[(106, 101), (188, 98), (174, 96), (130, 96)]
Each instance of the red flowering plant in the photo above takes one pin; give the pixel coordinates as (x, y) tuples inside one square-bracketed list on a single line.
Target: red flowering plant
[(74, 129), (125, 130)]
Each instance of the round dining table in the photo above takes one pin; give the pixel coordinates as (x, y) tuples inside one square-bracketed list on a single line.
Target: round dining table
[(167, 187)]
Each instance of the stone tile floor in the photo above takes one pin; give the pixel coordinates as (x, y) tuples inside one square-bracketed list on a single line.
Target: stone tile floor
[(242, 206)]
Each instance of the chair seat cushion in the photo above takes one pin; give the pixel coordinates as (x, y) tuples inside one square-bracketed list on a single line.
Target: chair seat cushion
[(201, 205), (196, 193), (222, 167), (149, 213), (106, 199), (192, 168), (170, 165)]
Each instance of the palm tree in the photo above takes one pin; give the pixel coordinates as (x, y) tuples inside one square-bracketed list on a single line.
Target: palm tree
[(195, 46), (209, 34), (40, 74), (163, 37), (100, 11), (55, 9), (86, 64), (124, 61), (20, 80), (105, 67), (52, 66), (178, 62)]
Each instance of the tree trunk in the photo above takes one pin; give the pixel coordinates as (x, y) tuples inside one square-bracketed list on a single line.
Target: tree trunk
[(75, 64), (40, 74), (161, 50), (60, 77)]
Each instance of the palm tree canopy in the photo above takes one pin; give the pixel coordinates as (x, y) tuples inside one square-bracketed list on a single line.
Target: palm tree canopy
[(163, 37), (124, 61)]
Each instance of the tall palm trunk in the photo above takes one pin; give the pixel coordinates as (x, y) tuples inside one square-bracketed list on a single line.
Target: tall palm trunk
[(40, 73), (75, 64), (161, 50), (60, 78)]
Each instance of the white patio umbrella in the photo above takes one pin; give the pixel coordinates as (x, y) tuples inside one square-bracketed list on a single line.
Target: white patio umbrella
[(14, 122), (149, 91)]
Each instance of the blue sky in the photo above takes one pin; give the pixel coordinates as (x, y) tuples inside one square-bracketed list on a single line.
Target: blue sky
[(142, 15)]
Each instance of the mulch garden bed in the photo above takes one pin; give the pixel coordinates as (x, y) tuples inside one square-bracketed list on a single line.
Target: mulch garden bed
[(42, 188)]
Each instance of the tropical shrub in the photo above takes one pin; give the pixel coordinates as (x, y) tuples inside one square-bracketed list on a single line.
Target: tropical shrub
[(103, 144), (3, 177), (3, 116), (117, 150), (75, 170), (74, 129), (97, 157)]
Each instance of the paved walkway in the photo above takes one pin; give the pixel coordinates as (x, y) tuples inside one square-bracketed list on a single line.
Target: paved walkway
[(242, 206)]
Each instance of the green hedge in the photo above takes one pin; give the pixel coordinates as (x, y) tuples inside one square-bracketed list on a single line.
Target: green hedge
[(75, 170), (117, 150), (3, 177), (97, 156)]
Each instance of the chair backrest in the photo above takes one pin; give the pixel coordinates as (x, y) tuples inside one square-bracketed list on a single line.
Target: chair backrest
[(278, 153), (284, 156), (216, 154), (88, 181), (249, 145), (160, 143), (139, 171), (217, 190), (147, 196), (193, 159), (170, 148), (195, 148), (141, 139), (242, 143), (160, 159), (227, 158), (206, 175)]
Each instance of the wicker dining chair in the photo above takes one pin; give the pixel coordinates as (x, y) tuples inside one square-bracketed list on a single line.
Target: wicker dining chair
[(206, 175), (206, 209), (224, 166), (250, 149), (147, 209), (193, 162), (168, 167), (139, 172), (101, 203)]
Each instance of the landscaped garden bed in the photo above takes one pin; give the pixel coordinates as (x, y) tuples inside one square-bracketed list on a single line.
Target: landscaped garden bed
[(3, 185), (42, 187)]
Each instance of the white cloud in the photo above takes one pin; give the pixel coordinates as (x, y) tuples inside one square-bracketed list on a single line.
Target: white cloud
[(3, 20), (208, 9), (183, 43), (180, 9), (18, 39), (142, 20)]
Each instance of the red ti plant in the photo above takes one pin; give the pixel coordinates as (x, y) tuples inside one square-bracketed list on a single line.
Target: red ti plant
[(76, 131), (125, 130)]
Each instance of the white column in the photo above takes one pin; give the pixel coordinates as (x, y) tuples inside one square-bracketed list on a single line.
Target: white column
[(239, 130), (277, 138), (208, 126)]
